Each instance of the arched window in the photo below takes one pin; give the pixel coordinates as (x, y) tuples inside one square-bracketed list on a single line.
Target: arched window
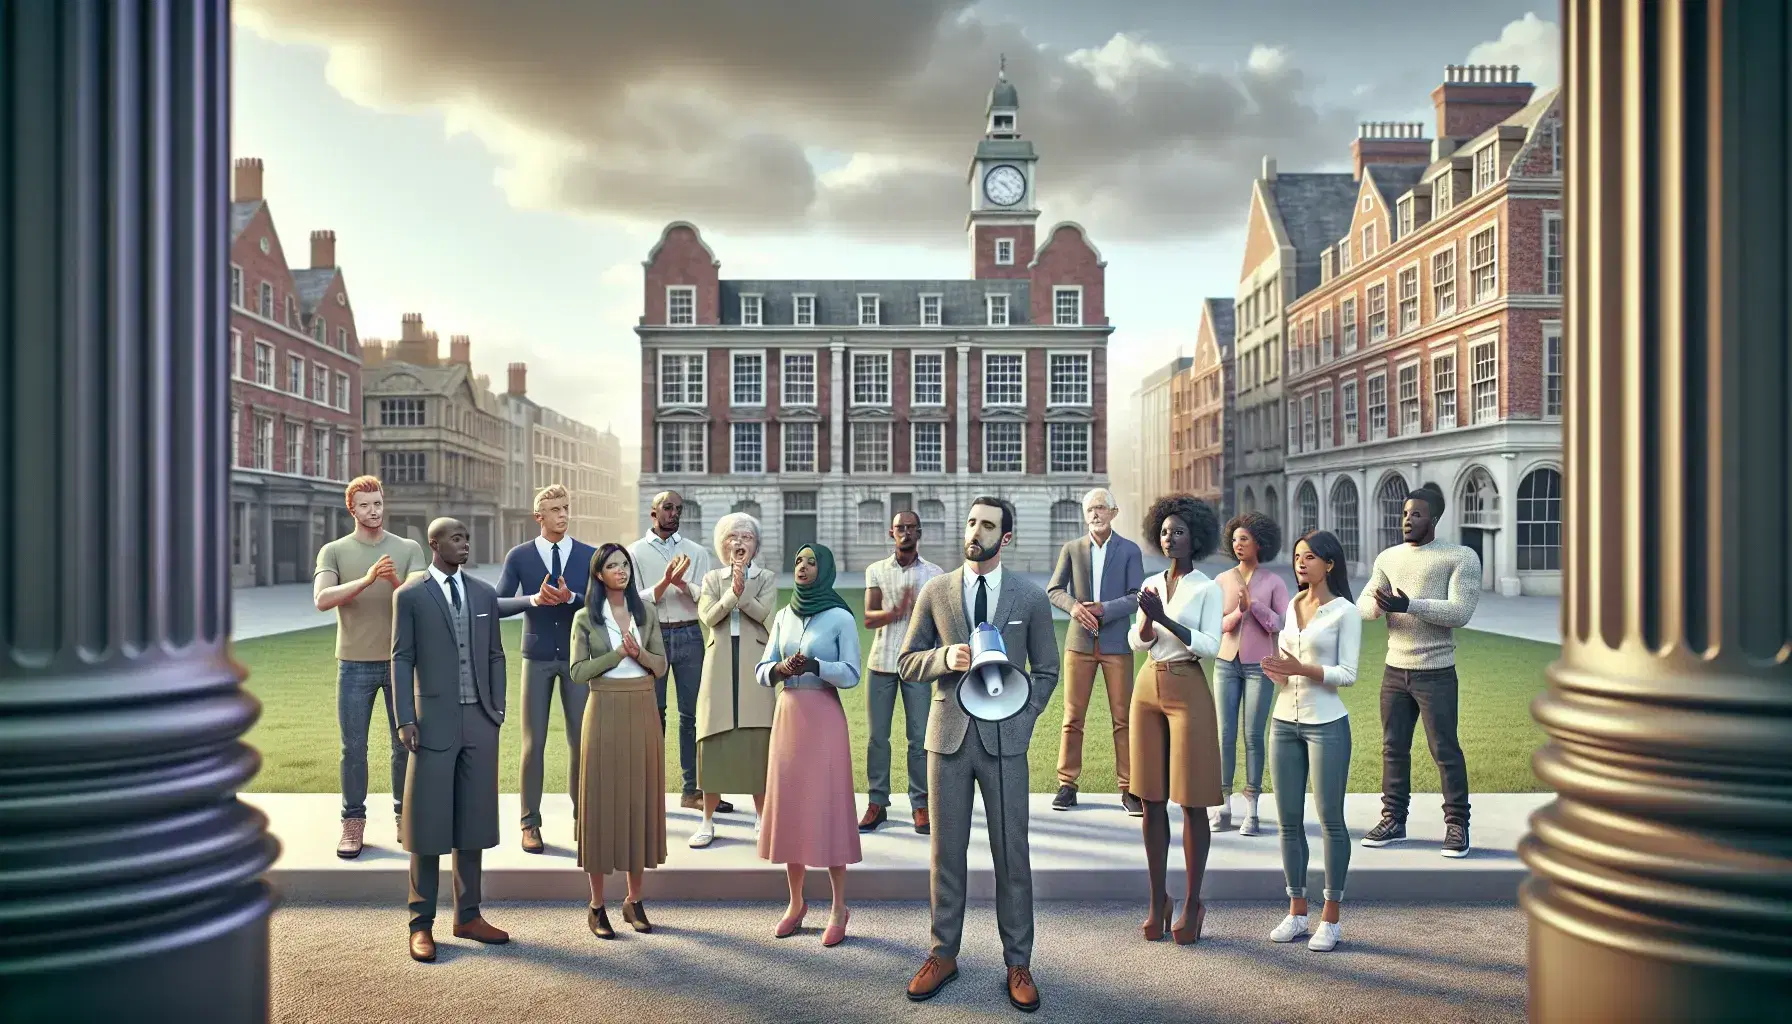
[(1344, 518), (873, 528), (1390, 501), (1067, 523), (1308, 500), (691, 523), (749, 507), (1480, 500), (1272, 505), (1248, 501), (1540, 521), (933, 522)]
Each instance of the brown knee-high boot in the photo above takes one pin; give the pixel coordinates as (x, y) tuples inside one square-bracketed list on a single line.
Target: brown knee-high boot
[(1196, 842), (1156, 824)]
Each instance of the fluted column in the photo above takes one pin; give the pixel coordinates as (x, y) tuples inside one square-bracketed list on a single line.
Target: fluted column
[(1661, 884), (130, 876)]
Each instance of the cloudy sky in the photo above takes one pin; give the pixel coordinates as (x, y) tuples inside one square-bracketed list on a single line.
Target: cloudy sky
[(502, 168)]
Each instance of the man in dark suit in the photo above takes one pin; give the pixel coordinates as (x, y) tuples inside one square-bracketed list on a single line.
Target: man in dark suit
[(553, 571), (1097, 584), (448, 682), (992, 756)]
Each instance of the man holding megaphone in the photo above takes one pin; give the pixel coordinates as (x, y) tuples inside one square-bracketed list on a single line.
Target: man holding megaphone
[(969, 634)]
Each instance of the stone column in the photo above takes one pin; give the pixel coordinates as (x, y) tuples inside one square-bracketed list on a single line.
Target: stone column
[(963, 411), (130, 873), (1661, 884)]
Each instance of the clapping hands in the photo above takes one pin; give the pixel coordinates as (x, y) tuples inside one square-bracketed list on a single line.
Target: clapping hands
[(1392, 600), (631, 646)]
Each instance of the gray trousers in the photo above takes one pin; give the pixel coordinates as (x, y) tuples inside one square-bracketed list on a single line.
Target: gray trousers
[(952, 778), (539, 678), (1321, 752), (916, 698), (426, 873)]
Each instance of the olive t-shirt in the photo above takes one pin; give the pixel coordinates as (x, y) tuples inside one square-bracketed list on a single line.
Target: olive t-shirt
[(364, 622)]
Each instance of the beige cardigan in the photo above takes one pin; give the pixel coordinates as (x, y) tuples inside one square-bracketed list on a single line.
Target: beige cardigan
[(721, 705)]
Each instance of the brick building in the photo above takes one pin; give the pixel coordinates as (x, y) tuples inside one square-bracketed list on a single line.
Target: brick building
[(1153, 451), (823, 406), (295, 381), (1431, 352), (1203, 428), (546, 447)]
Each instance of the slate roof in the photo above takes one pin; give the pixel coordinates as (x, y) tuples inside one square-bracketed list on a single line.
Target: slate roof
[(240, 215), (1315, 210), (899, 302), (1219, 314), (1394, 180), (312, 284)]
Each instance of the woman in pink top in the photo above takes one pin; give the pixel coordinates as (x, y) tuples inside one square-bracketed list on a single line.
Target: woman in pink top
[(1254, 600)]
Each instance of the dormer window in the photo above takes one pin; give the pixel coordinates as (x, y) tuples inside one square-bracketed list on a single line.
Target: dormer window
[(752, 311), (1002, 123), (868, 311), (1406, 216), (1487, 166)]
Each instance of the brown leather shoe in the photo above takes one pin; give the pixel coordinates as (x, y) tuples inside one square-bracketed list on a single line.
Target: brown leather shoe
[(922, 825), (1021, 990), (479, 930), (354, 831), (532, 840), (691, 801), (423, 946), (932, 977), (875, 815)]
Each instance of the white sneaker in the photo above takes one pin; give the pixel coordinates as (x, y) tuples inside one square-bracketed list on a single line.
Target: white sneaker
[(705, 834), (1251, 826), (1292, 927), (1325, 939)]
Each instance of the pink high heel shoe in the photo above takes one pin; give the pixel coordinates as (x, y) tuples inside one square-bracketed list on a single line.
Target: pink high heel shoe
[(789, 925), (836, 933)]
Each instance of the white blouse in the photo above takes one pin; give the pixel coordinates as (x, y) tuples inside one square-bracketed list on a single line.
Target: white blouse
[(627, 668), (1196, 605), (1331, 640)]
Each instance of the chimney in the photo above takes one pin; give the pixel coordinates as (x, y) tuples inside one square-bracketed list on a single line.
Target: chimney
[(1269, 168), (519, 379), (1475, 97), (413, 327), (373, 352), (460, 350), (248, 180), (323, 250), (431, 350), (1389, 142)]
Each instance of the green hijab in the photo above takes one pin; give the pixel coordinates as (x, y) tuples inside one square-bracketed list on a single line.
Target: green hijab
[(817, 597)]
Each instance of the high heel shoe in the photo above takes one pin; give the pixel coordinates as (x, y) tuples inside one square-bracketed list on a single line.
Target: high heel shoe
[(836, 933), (788, 925), (1154, 927), (636, 916), (599, 923), (1183, 933)]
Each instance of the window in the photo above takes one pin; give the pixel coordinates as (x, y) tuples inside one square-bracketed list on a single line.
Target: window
[(1443, 282), (749, 379), (236, 287), (320, 383), (1409, 399), (1067, 522), (1378, 312), (1368, 241), (1443, 391), (681, 378), (1067, 307), (1484, 382), (930, 310), (1390, 501), (1483, 263), (1487, 166), (1552, 371), (1326, 438), (1404, 228), (1344, 519), (317, 329), (1540, 521), (320, 452), (1347, 325), (752, 309), (749, 448), (292, 311), (998, 310), (802, 311), (342, 391), (799, 378), (266, 305), (682, 448), (1378, 406), (1309, 425), (404, 467), (681, 305), (1552, 254), (1409, 299), (928, 373), (236, 436), (871, 378), (1555, 152), (1004, 252), (1293, 426), (1325, 335), (1343, 255), (933, 518), (929, 454), (1004, 447), (342, 339), (236, 354), (1440, 194), (295, 375), (1004, 378), (1307, 500), (868, 311), (870, 447), (1069, 379), (1068, 447), (401, 412), (799, 447), (261, 453), (873, 524), (342, 466)]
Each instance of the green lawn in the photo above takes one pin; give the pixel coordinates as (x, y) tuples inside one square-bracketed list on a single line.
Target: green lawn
[(294, 675)]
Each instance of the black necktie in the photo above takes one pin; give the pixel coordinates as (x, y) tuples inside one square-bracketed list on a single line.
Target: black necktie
[(454, 592), (555, 578), (982, 605)]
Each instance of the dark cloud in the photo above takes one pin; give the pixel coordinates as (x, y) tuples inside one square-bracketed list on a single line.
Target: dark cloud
[(709, 110)]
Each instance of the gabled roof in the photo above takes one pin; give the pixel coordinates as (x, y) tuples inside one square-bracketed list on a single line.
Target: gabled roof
[(1220, 315), (1315, 210), (241, 214), (1392, 181), (1527, 117), (311, 286)]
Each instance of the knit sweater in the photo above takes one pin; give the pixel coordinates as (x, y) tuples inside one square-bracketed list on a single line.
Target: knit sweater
[(1444, 582)]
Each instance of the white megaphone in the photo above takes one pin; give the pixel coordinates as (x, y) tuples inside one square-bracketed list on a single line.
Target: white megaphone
[(993, 690)]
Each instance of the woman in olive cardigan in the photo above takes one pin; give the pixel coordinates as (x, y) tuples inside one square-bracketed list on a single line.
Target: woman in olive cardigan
[(618, 652)]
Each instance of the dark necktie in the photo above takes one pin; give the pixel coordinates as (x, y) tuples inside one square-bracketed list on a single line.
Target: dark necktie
[(454, 591), (982, 605), (555, 578)]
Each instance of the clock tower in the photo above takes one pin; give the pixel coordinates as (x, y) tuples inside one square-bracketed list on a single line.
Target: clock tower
[(1002, 178)]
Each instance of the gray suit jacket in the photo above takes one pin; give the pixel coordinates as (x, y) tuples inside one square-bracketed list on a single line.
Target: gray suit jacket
[(1025, 618), (426, 658), (1122, 574)]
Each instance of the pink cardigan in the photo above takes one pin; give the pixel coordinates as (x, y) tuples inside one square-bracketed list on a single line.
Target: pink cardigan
[(1251, 638)]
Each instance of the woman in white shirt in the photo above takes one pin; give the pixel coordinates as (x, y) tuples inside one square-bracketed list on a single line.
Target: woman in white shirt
[(1320, 640), (1175, 734)]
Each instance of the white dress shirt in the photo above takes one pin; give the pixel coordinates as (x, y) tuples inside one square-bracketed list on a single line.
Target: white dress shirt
[(1332, 639), (441, 578), (1195, 605), (651, 556), (1098, 560), (994, 576), (546, 551), (627, 668)]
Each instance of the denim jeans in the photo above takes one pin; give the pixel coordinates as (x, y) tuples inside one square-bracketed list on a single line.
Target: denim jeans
[(1240, 686), (358, 685), (1324, 752), (1409, 696), (917, 699), (684, 665)]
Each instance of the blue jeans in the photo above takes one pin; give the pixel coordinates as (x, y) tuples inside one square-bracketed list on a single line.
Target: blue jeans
[(1324, 752), (1240, 686), (358, 685), (684, 665)]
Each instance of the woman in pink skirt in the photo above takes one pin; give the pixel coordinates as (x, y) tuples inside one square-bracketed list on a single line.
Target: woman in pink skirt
[(811, 812)]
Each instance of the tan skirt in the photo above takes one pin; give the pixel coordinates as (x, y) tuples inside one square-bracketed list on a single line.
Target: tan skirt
[(1175, 736), (622, 778)]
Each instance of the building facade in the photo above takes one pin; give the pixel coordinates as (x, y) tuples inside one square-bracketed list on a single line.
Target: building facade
[(1206, 430), (822, 407), (295, 379), (1154, 402), (516, 507), (1435, 356)]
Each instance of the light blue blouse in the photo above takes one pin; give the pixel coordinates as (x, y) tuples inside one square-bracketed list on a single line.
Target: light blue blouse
[(831, 638)]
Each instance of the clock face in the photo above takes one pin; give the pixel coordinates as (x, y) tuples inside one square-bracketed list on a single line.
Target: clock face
[(1004, 185)]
